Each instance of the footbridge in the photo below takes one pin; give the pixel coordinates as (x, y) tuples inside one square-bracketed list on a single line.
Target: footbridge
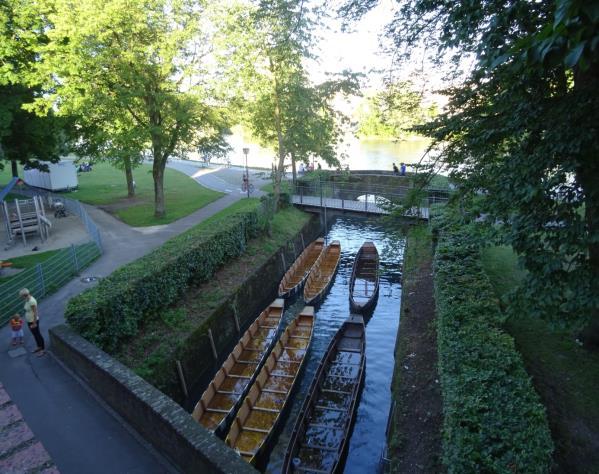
[(364, 196)]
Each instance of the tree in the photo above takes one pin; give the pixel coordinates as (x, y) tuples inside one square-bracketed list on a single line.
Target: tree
[(25, 138), (393, 112), (522, 129), (267, 44), (134, 71)]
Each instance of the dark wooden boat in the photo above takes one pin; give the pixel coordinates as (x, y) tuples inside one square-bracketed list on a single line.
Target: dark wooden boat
[(364, 282), (219, 402), (261, 410), (322, 429), (295, 277), (322, 273)]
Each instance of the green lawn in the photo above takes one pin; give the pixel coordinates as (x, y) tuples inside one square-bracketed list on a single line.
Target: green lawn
[(106, 186), (565, 375), (28, 261)]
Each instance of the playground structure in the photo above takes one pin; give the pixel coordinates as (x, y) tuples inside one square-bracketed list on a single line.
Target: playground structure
[(26, 216)]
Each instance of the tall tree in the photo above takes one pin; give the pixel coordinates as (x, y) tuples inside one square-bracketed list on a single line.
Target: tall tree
[(523, 128), (135, 71), (268, 44), (25, 138), (394, 111)]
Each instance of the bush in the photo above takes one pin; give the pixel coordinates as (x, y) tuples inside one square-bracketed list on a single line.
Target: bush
[(493, 419), (111, 313)]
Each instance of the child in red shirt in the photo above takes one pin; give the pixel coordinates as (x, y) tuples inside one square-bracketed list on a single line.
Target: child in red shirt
[(16, 324)]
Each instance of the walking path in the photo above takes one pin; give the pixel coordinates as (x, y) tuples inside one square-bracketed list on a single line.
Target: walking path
[(64, 427)]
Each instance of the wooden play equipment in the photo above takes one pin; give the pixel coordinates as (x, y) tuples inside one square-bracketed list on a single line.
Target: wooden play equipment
[(26, 216)]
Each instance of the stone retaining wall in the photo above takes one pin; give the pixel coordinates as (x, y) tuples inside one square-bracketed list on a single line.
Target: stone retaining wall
[(157, 418)]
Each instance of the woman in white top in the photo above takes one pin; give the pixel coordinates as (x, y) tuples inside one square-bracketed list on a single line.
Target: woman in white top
[(33, 320)]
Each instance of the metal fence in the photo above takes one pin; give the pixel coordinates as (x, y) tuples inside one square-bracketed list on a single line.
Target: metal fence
[(48, 276)]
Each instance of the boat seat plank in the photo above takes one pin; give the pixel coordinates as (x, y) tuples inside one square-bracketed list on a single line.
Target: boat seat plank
[(269, 410), (255, 430), (216, 410), (271, 390), (330, 390)]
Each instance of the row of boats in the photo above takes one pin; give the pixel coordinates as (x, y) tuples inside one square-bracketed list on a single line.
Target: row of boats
[(247, 397)]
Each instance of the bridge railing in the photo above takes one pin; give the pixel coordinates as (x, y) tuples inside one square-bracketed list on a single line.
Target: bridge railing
[(359, 192)]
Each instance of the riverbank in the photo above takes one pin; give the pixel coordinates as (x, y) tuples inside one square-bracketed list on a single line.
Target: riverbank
[(414, 443), (561, 371), (162, 340)]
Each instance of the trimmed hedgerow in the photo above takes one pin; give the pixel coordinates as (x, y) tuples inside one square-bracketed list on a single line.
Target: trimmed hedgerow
[(493, 418), (111, 313)]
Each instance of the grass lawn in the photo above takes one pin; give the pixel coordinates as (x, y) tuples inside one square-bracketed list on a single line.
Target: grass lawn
[(105, 186), (28, 261), (565, 375)]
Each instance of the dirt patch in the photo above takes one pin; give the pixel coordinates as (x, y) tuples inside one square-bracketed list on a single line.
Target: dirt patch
[(415, 444)]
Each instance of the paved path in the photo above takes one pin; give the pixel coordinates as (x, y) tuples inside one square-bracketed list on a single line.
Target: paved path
[(64, 424)]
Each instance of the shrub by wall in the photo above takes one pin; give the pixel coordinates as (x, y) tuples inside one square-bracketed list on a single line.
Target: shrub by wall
[(493, 419), (110, 313)]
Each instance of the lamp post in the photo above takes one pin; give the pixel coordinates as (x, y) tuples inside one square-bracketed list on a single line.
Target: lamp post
[(246, 150)]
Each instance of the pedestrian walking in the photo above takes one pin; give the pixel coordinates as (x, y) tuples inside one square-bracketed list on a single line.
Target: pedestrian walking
[(402, 169), (33, 320), (395, 170), (16, 326)]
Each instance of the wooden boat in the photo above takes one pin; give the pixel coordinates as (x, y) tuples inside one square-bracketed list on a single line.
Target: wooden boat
[(262, 408), (322, 429), (364, 282), (296, 276), (322, 273), (222, 398)]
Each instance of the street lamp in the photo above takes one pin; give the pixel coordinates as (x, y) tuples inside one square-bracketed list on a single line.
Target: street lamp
[(246, 150)]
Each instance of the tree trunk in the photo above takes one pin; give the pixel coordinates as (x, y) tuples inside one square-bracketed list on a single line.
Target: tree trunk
[(129, 177), (293, 168), (158, 175), (14, 168), (281, 145)]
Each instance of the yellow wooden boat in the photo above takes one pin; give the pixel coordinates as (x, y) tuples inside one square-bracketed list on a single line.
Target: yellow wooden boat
[(322, 273), (261, 410), (296, 275), (220, 401)]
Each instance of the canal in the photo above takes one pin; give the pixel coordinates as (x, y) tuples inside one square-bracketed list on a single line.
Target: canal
[(368, 437)]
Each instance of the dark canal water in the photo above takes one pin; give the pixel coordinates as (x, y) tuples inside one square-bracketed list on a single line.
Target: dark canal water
[(368, 437)]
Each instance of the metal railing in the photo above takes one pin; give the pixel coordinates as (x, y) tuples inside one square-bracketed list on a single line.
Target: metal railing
[(51, 274), (358, 197)]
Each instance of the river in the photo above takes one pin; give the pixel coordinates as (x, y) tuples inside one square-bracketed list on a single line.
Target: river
[(357, 154), (368, 438)]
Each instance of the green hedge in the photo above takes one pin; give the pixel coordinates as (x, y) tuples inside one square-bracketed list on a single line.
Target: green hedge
[(111, 313), (493, 419)]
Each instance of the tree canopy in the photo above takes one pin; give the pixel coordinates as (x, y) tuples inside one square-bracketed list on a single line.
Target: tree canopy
[(522, 130), (135, 72), (25, 137)]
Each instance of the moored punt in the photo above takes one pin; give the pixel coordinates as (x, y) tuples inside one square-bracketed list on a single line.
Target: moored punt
[(220, 400), (322, 429), (322, 273), (364, 282), (262, 408), (296, 275)]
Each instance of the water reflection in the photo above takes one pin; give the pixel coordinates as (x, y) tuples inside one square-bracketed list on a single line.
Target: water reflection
[(368, 439)]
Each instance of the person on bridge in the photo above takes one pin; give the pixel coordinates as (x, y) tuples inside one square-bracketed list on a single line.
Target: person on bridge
[(395, 170), (402, 169)]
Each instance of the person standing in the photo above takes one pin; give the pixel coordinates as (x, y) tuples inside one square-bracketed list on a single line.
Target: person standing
[(33, 320), (395, 170), (402, 169)]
